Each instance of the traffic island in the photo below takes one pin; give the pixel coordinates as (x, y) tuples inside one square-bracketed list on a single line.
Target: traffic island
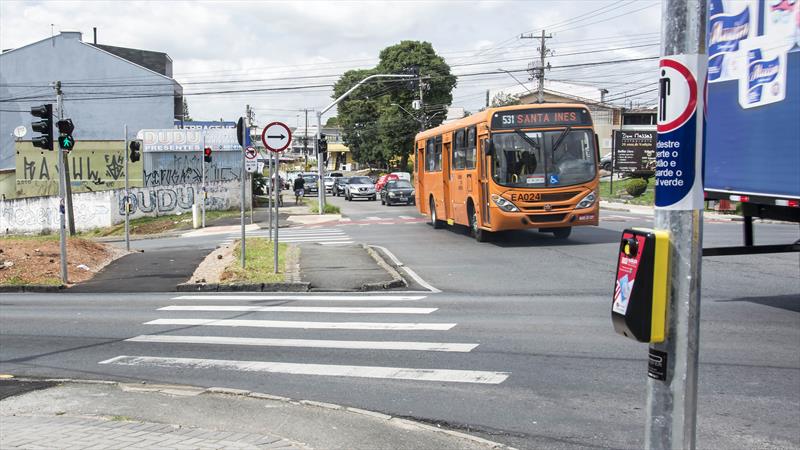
[(346, 268), (221, 270)]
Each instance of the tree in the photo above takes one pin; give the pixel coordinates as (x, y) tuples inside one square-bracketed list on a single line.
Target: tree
[(377, 131), (332, 122), (503, 99), (185, 111)]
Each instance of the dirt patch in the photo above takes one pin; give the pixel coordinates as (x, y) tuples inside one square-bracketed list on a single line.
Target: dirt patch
[(212, 267), (36, 260)]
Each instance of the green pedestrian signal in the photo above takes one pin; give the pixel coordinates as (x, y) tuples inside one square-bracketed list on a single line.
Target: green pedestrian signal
[(66, 142)]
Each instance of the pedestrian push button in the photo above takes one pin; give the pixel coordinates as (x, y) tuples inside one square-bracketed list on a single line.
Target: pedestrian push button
[(639, 306)]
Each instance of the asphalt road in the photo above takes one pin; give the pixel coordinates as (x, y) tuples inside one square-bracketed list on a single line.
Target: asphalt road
[(538, 366)]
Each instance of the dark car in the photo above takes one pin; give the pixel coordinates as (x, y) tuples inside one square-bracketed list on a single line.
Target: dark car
[(397, 191), (310, 185), (339, 185)]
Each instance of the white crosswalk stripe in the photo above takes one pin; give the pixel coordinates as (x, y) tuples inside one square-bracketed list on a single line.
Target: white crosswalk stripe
[(327, 236), (239, 314)]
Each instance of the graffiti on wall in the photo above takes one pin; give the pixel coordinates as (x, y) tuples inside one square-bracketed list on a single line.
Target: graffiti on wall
[(168, 169), (176, 199)]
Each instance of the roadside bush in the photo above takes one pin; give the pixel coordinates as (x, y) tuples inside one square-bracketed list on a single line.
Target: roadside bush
[(636, 187)]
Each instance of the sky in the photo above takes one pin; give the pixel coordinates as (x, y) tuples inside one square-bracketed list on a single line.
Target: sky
[(307, 45)]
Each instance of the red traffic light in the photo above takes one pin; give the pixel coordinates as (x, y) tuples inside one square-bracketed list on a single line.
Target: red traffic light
[(207, 151)]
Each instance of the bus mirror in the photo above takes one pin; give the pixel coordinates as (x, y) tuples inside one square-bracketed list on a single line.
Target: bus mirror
[(488, 147)]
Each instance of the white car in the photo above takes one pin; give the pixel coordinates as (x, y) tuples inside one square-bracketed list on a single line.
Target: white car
[(329, 184), (360, 187)]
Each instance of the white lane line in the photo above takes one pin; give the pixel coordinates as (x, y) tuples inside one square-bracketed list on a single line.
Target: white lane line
[(301, 309), (308, 343), (345, 219), (334, 298), (336, 243), (341, 233), (407, 270), (407, 217), (394, 373), (395, 326), (313, 239), (374, 218)]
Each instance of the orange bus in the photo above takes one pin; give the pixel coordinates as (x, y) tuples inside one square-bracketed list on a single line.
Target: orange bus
[(510, 168)]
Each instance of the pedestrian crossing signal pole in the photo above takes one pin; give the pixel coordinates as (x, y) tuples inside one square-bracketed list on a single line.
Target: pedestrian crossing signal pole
[(242, 129), (673, 363)]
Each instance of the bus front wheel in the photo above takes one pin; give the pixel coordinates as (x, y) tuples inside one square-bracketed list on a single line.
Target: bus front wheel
[(435, 222), (561, 233), (475, 230)]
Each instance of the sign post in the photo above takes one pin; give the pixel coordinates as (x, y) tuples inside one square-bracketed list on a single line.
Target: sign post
[(127, 201), (276, 138), (672, 396), (241, 130)]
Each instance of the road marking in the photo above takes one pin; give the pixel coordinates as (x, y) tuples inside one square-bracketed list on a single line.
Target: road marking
[(374, 218), (312, 239), (407, 270), (335, 243), (408, 217), (301, 309), (385, 298), (394, 373), (306, 325), (345, 219), (309, 343)]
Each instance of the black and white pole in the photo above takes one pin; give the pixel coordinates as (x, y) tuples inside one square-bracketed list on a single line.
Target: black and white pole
[(127, 202), (243, 179), (672, 389), (320, 168), (277, 188), (62, 191)]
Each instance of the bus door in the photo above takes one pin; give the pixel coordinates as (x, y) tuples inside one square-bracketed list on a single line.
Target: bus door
[(419, 164), (447, 180), (483, 172)]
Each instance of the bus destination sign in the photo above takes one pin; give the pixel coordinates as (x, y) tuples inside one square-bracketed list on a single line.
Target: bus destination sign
[(526, 118)]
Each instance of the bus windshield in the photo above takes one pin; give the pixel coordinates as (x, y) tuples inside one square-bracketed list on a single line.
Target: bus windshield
[(543, 158)]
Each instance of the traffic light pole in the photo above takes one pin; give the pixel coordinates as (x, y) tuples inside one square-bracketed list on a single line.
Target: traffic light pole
[(672, 391), (243, 178), (203, 178), (321, 183), (127, 202), (62, 189)]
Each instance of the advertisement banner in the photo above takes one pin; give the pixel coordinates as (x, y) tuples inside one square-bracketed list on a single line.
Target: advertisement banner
[(634, 151)]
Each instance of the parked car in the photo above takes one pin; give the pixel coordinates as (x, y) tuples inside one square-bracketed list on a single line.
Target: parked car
[(360, 187), (339, 185), (605, 162), (397, 191), (329, 184), (383, 180), (336, 174), (310, 185)]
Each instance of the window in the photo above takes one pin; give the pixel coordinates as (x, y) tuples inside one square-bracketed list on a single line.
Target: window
[(470, 154), (459, 150), (437, 154)]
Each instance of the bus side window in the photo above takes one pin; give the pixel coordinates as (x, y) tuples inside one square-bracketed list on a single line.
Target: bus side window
[(437, 154), (429, 156), (470, 150), (458, 150)]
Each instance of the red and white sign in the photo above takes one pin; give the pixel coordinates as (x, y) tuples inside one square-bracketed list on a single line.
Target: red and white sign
[(250, 159), (276, 137), (677, 95)]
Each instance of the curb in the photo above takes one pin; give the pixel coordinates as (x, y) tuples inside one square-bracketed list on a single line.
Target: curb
[(243, 287), (400, 422), (397, 279), (41, 288)]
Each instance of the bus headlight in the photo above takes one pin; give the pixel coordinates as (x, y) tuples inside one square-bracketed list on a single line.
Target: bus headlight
[(587, 201), (504, 204)]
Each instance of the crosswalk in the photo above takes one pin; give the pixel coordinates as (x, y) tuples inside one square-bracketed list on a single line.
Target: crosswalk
[(243, 320), (324, 236)]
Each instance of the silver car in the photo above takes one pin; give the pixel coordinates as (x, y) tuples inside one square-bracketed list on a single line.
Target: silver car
[(360, 187)]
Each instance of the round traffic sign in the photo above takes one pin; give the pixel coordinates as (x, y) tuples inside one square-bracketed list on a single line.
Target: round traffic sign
[(276, 137), (677, 91)]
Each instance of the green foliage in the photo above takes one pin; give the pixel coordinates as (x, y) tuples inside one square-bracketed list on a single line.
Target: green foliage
[(332, 122), (373, 128), (501, 99), (636, 187)]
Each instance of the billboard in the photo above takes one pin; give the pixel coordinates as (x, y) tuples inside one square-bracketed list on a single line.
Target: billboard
[(753, 99), (634, 151)]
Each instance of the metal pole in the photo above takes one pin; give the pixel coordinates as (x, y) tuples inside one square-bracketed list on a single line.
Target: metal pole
[(672, 402), (269, 196), (127, 193), (62, 189), (277, 214), (203, 178), (243, 178), (320, 182)]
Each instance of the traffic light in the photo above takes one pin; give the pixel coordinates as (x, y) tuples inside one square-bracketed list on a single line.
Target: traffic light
[(65, 140), (207, 154), (44, 126), (135, 146), (322, 147)]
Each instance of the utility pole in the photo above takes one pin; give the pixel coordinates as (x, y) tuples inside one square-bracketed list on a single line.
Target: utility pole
[(305, 143), (537, 68), (62, 190), (127, 190), (672, 390), (250, 117)]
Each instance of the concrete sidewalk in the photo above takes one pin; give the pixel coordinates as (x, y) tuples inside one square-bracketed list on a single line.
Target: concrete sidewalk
[(646, 210), (110, 415)]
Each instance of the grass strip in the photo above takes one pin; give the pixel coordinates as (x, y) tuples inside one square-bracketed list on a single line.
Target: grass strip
[(259, 259)]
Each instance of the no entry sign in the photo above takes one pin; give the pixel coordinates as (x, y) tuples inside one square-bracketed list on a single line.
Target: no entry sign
[(276, 137), (679, 149)]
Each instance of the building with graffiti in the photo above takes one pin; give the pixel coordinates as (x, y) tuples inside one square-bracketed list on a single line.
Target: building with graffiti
[(98, 103)]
